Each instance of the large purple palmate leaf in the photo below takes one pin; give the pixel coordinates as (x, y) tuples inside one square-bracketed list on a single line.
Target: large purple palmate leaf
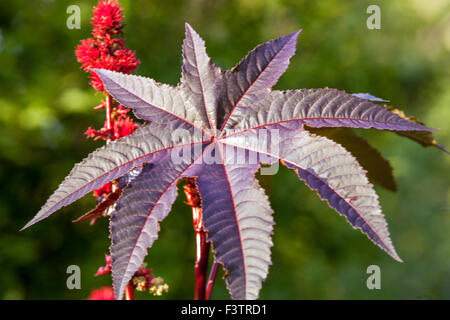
[(327, 167), (232, 109)]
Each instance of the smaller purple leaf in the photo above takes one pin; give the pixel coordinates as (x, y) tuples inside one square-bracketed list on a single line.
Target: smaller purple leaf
[(424, 138), (368, 96), (379, 170), (125, 180)]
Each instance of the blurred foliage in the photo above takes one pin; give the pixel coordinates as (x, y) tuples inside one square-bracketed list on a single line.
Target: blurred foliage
[(46, 105)]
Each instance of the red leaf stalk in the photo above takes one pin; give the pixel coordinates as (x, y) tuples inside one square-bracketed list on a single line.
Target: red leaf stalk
[(202, 246), (129, 291), (211, 280), (108, 114)]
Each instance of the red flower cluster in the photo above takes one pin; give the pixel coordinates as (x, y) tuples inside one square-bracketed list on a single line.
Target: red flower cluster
[(104, 51), (107, 19), (105, 189)]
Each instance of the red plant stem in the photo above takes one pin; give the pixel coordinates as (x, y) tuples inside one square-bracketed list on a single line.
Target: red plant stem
[(201, 264), (211, 280), (108, 114), (202, 246), (129, 291)]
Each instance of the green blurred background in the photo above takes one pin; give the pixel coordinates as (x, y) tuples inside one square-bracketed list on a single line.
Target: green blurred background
[(46, 105)]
